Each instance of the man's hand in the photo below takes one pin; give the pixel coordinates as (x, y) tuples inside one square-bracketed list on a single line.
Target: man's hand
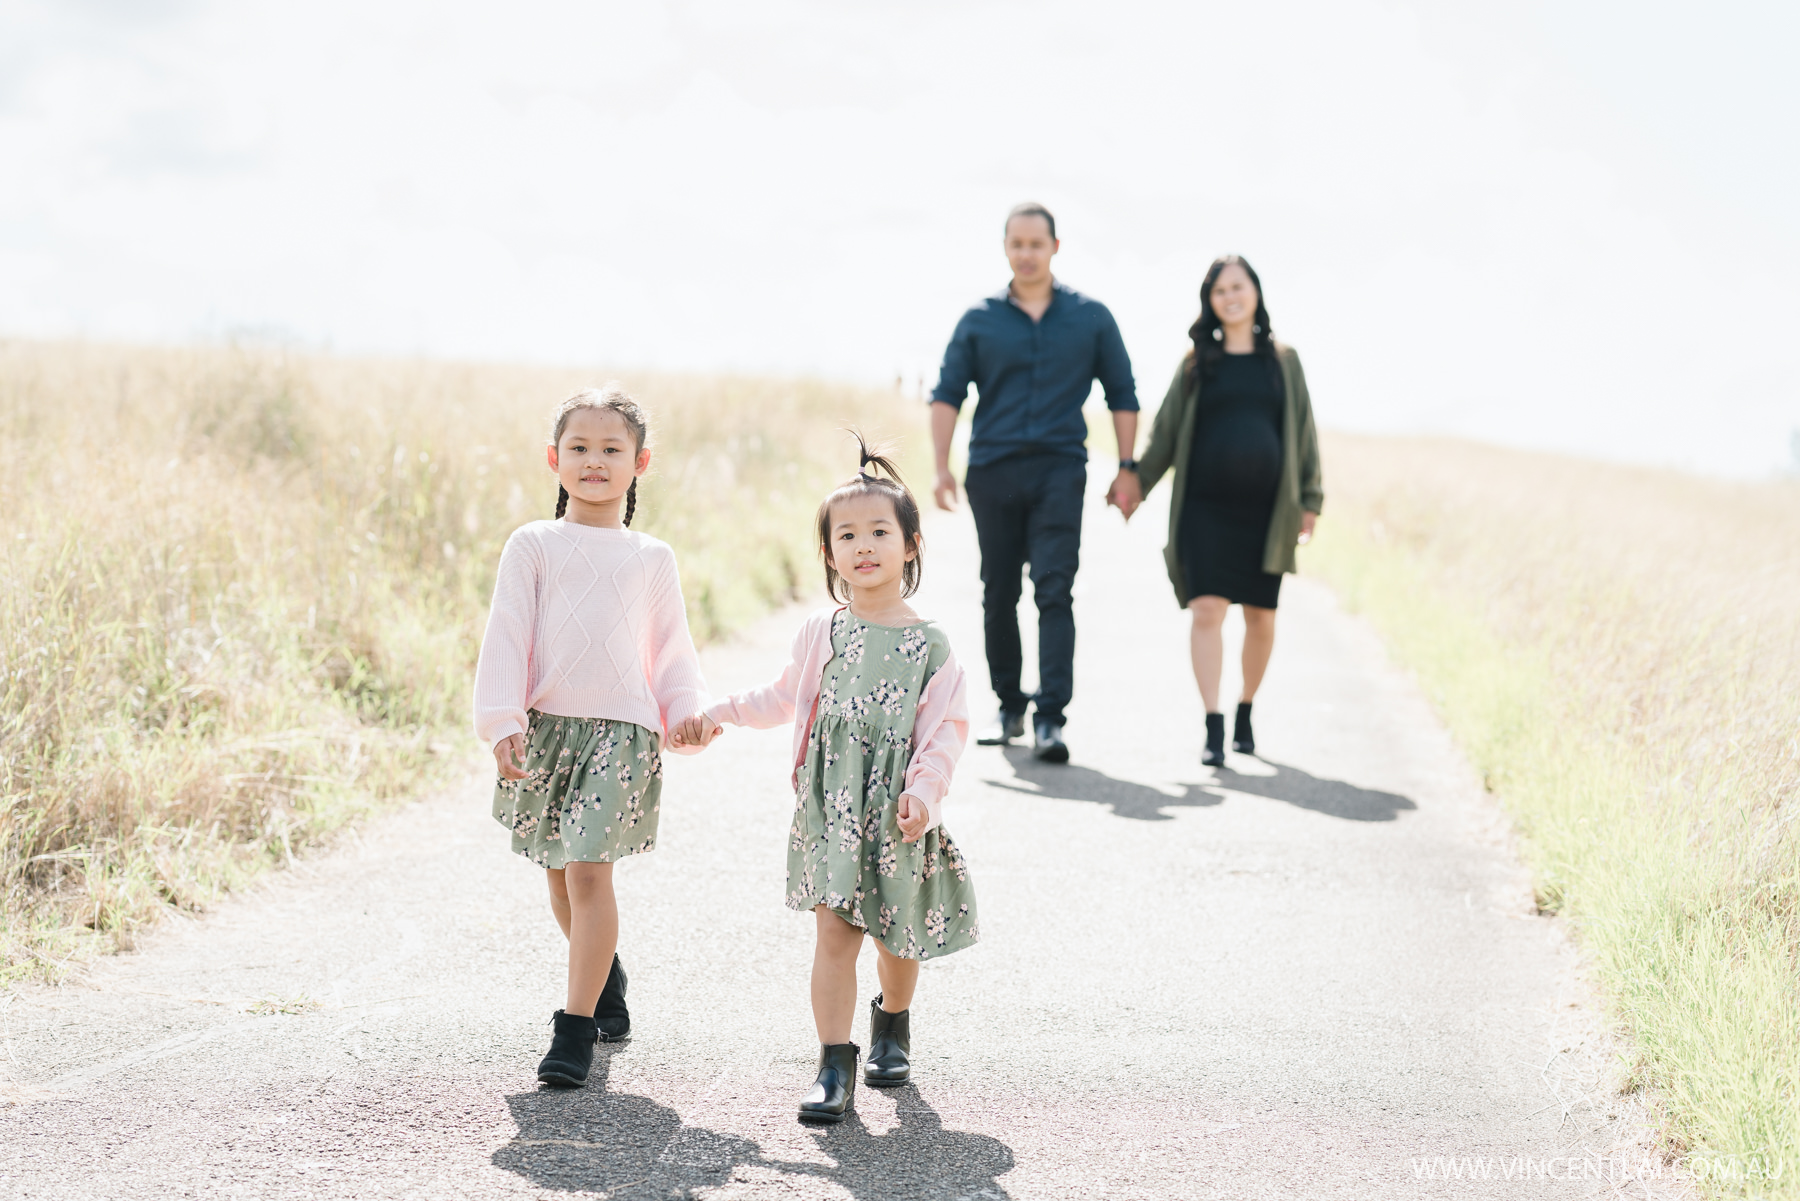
[(1307, 521), (698, 730), (1125, 493), (912, 816), (509, 757), (945, 491), (943, 431)]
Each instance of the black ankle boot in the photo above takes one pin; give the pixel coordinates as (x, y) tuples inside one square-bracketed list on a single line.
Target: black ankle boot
[(1215, 741), (1242, 740), (890, 1044), (571, 1051), (610, 1014), (835, 1089)]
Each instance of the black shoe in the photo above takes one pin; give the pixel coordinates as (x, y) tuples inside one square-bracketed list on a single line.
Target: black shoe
[(1005, 728), (833, 1092), (890, 1042), (610, 1014), (571, 1051), (1215, 741), (1242, 740), (1050, 745)]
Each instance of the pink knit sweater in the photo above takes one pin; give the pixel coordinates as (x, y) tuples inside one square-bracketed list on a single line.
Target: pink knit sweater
[(940, 722), (586, 622)]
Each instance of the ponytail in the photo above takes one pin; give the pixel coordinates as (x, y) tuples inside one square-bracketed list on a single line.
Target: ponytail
[(906, 513), (562, 500)]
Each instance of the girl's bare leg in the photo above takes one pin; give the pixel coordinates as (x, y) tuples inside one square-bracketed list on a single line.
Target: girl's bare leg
[(1259, 644), (1208, 646), (559, 897), (593, 931), (899, 977), (834, 976)]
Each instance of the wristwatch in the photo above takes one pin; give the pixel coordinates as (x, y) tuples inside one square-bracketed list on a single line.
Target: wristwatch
[(1128, 465)]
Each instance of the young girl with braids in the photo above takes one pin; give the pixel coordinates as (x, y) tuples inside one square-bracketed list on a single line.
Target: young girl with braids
[(880, 718), (586, 662)]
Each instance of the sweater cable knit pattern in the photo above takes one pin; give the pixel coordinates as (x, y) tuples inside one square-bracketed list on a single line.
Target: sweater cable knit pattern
[(586, 622)]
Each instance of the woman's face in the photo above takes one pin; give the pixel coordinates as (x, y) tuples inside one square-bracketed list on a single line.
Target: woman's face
[(1233, 297)]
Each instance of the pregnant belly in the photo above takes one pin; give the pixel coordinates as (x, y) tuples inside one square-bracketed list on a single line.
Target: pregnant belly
[(1240, 460)]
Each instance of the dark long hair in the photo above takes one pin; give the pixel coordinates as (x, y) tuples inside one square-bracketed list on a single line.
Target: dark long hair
[(613, 399), (906, 513), (1209, 334)]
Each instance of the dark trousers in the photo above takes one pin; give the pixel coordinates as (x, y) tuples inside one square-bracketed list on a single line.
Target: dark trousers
[(1028, 511)]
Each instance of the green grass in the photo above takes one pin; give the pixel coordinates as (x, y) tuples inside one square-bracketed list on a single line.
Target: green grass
[(1617, 651), (241, 593)]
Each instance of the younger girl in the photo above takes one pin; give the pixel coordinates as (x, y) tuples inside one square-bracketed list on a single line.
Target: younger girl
[(586, 661), (882, 720)]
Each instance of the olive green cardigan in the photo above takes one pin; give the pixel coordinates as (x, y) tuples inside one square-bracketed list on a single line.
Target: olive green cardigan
[(1301, 488)]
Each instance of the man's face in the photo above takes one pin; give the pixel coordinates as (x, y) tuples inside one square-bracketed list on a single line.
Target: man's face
[(1029, 247)]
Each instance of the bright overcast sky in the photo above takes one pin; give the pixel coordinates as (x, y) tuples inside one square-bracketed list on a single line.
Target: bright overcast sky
[(1564, 225)]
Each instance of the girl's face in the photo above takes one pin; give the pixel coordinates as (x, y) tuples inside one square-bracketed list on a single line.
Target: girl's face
[(596, 459), (1234, 296), (867, 547)]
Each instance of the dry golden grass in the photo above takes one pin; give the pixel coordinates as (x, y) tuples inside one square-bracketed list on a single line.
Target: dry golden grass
[(241, 592), (1619, 651)]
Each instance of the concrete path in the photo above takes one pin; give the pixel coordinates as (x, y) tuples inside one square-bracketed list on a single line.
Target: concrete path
[(1315, 974)]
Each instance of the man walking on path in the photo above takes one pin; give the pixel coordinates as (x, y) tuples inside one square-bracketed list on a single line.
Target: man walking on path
[(1033, 352)]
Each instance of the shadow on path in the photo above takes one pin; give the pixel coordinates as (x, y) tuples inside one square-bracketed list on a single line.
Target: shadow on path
[(593, 1140), (1127, 798), (917, 1158), (590, 1139), (1334, 798)]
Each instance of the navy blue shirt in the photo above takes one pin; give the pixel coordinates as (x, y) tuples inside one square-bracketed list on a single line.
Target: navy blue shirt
[(1034, 376)]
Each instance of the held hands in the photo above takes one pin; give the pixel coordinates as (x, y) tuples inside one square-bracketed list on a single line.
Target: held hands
[(913, 817), (1125, 493), (698, 730), (509, 757)]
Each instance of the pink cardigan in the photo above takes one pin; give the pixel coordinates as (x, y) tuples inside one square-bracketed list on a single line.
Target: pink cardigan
[(940, 724)]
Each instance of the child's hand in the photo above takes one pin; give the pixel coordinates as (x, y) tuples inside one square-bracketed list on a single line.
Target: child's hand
[(698, 730), (509, 757), (913, 817)]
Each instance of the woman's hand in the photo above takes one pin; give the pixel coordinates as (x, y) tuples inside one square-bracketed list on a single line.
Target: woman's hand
[(1307, 521), (913, 817), (509, 757), (698, 730)]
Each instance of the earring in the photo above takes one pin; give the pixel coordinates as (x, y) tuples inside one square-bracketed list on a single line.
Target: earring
[(1257, 329), (1218, 333)]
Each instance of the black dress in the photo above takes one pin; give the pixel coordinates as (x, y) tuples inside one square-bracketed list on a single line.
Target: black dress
[(1234, 468)]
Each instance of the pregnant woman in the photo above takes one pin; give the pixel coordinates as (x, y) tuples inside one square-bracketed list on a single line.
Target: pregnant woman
[(1237, 428)]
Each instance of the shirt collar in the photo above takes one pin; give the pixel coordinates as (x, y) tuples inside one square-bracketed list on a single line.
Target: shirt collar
[(1057, 289)]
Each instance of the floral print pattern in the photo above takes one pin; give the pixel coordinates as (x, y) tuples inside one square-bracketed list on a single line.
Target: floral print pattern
[(592, 791), (844, 848)]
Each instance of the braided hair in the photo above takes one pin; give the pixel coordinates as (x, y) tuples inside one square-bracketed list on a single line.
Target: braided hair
[(906, 513), (612, 398)]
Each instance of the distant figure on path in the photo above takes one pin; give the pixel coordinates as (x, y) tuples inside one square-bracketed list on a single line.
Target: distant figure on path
[(878, 704), (1033, 351), (1237, 427), (585, 666)]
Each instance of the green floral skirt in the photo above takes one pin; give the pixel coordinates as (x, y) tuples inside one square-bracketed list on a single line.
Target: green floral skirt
[(845, 853), (592, 794)]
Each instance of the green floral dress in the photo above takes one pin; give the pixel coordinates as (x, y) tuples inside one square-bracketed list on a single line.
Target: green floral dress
[(844, 849), (592, 793)]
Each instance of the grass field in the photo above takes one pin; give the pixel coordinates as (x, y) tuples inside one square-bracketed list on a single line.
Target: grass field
[(241, 592), (1618, 650)]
